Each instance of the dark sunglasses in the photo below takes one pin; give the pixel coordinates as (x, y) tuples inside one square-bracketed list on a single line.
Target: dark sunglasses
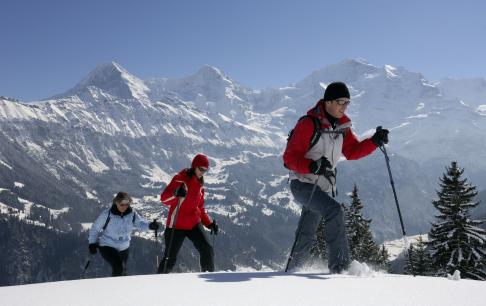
[(202, 169), (342, 102), (123, 203)]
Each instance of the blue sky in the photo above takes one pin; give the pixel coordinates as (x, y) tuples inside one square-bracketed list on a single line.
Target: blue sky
[(46, 47)]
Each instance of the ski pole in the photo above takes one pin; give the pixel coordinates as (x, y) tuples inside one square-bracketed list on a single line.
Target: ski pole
[(213, 242), (86, 265), (405, 240), (214, 246), (299, 228), (171, 238), (156, 249)]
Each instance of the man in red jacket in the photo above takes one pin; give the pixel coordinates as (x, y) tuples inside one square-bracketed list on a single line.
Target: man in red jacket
[(317, 143), (185, 196)]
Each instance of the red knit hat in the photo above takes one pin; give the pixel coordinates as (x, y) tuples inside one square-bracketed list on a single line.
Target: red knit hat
[(200, 160)]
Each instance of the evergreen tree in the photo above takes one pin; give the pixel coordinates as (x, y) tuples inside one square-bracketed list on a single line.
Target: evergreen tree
[(421, 260), (32, 253), (382, 260), (318, 250), (456, 241), (361, 245)]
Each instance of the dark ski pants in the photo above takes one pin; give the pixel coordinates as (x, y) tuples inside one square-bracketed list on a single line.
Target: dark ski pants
[(200, 240), (116, 259), (321, 205)]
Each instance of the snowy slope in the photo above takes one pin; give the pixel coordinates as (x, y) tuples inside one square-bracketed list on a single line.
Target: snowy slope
[(397, 247), (250, 288), (470, 91)]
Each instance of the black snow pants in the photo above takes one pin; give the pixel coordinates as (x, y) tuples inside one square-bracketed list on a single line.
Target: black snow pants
[(200, 240), (116, 259)]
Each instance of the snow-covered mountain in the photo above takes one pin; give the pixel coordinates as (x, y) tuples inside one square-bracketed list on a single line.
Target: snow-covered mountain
[(471, 91), (207, 89), (112, 79), (63, 158)]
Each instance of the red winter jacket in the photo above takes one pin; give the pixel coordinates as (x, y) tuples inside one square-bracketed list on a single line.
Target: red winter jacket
[(191, 211), (296, 156)]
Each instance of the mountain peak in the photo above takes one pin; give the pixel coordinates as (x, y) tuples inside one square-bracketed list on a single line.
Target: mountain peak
[(113, 79), (109, 69), (104, 73), (211, 73), (355, 62), (346, 71), (208, 69), (355, 65)]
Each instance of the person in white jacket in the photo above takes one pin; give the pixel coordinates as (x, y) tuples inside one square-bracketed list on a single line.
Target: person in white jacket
[(112, 230)]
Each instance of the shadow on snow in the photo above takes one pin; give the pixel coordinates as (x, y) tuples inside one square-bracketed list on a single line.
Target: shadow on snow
[(247, 276)]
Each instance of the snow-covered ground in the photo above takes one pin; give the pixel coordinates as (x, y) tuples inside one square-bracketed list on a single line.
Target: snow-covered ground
[(250, 288)]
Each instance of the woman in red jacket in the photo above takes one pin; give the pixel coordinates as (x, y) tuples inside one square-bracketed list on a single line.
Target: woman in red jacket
[(187, 216)]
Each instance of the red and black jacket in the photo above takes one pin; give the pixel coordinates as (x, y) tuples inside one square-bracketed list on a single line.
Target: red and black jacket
[(296, 156), (191, 210)]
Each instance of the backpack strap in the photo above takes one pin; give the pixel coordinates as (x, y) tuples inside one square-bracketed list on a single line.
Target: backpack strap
[(317, 131), (331, 178), (107, 220), (315, 134), (336, 132)]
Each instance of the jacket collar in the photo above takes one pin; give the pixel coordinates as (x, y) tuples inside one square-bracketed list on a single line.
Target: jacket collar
[(114, 210), (189, 175), (319, 112)]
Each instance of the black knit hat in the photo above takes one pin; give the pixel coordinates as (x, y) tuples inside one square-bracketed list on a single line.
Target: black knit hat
[(335, 91)]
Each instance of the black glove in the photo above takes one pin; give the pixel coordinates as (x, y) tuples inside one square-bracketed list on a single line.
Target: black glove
[(181, 192), (154, 226), (93, 248), (319, 166), (380, 137), (214, 228)]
